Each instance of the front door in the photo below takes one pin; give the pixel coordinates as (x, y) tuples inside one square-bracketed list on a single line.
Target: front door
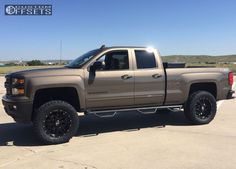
[(113, 85)]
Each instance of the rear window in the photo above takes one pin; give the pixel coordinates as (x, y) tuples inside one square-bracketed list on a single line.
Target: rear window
[(145, 59)]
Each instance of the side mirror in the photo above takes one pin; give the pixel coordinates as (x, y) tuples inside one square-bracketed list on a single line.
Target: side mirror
[(96, 66)]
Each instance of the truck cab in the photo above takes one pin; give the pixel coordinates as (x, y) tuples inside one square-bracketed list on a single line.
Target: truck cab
[(127, 77)]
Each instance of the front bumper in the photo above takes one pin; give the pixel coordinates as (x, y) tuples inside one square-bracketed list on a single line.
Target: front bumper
[(20, 111), (230, 94)]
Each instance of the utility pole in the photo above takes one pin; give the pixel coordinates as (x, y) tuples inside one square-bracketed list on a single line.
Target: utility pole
[(60, 51)]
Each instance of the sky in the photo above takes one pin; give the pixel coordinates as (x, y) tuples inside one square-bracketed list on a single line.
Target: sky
[(173, 26)]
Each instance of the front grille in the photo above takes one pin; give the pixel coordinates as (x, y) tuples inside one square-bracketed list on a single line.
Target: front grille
[(8, 85)]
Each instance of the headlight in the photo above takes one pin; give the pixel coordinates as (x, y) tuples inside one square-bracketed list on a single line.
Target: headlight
[(18, 86), (16, 81), (16, 91)]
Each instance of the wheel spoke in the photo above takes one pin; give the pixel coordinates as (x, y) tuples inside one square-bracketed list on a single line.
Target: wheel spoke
[(203, 108), (57, 123)]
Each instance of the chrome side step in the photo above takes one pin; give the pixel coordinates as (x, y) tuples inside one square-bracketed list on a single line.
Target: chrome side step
[(147, 110), (105, 114), (143, 110)]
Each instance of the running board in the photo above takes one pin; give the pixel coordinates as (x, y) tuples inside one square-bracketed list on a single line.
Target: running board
[(105, 114), (143, 110)]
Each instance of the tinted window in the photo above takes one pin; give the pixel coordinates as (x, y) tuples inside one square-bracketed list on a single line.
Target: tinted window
[(145, 59), (83, 59), (117, 60)]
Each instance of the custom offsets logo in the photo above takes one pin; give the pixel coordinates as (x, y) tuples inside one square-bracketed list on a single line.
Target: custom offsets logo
[(28, 9)]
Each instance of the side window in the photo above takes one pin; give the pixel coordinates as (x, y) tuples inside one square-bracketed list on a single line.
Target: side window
[(145, 59), (115, 60)]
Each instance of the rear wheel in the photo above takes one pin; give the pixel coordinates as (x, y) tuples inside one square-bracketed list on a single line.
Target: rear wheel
[(56, 122), (201, 107)]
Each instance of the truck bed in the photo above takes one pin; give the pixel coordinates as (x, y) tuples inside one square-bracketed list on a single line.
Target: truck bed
[(180, 79)]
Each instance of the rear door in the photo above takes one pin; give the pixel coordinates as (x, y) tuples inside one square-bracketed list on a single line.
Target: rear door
[(113, 85), (149, 78)]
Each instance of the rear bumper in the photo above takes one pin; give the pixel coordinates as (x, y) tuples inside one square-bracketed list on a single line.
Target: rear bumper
[(20, 111), (230, 94)]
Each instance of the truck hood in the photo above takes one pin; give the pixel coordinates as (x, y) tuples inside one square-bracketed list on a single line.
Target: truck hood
[(45, 72)]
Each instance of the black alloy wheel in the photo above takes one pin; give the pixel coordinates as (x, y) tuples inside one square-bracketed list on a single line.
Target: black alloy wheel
[(57, 123), (203, 108)]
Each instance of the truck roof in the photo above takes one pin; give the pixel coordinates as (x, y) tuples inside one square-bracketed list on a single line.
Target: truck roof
[(112, 47)]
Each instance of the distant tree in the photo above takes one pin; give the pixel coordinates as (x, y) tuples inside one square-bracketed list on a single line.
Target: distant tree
[(10, 64), (35, 63)]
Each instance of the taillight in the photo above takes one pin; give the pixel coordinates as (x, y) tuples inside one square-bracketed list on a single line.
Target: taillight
[(231, 78)]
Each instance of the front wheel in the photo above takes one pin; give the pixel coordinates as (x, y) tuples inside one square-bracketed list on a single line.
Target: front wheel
[(200, 107), (56, 122)]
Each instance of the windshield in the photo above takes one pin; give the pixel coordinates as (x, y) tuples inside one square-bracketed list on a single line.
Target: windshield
[(80, 61)]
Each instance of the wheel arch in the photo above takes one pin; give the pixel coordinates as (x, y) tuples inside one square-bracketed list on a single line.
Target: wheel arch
[(68, 94), (210, 87)]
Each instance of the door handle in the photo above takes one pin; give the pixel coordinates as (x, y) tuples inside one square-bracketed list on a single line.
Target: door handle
[(156, 76), (125, 77)]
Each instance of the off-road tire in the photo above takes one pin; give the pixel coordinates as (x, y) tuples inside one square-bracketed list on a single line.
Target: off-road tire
[(195, 110), (53, 113)]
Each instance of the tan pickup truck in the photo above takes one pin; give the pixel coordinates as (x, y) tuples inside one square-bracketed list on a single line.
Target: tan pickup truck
[(109, 80)]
